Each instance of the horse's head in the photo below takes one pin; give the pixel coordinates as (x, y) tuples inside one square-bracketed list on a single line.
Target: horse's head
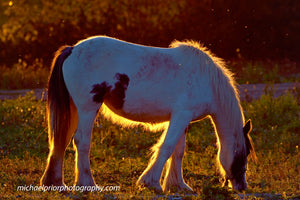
[(237, 179)]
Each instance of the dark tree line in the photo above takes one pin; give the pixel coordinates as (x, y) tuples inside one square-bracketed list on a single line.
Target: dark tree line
[(250, 29)]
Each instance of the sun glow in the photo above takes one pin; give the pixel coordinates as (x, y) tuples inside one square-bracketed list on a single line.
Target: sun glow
[(116, 119)]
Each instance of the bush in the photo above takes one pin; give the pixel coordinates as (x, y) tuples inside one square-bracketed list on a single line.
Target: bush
[(273, 116), (22, 76)]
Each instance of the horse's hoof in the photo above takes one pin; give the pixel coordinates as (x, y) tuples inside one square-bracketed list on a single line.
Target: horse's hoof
[(182, 188), (152, 187), (186, 188)]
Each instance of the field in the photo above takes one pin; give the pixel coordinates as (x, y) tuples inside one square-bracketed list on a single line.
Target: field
[(118, 155), (258, 39)]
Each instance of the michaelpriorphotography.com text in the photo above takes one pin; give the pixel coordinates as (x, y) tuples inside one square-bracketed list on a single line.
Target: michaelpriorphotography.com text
[(43, 188)]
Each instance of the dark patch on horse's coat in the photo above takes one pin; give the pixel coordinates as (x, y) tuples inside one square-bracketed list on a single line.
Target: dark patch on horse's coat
[(115, 97), (100, 91), (123, 79), (156, 66), (159, 60)]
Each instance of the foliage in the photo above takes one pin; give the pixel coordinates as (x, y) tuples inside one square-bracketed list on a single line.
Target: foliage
[(32, 30), (232, 29), (38, 28), (264, 72), (118, 155), (21, 76)]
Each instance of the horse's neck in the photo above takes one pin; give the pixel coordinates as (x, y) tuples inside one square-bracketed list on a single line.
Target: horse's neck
[(229, 125)]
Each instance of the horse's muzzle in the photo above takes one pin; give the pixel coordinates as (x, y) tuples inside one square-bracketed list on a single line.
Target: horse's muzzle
[(236, 185)]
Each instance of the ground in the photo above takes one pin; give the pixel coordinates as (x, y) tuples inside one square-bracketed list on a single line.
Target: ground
[(118, 155)]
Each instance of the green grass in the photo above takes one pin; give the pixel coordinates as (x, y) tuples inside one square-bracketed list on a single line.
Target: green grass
[(119, 156), (24, 76)]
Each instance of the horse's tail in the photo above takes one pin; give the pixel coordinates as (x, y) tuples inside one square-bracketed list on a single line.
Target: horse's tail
[(58, 101)]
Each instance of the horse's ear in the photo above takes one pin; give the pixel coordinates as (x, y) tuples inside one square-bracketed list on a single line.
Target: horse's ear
[(248, 127)]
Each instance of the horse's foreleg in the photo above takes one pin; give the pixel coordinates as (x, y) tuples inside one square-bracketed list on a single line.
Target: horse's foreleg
[(174, 178), (151, 176), (82, 141)]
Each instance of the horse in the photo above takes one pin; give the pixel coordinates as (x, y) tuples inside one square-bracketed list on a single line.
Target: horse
[(157, 87)]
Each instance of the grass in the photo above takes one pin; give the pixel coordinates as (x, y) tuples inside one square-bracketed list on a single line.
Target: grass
[(119, 156), (24, 76)]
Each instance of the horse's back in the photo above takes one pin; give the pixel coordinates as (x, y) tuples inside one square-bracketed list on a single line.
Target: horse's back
[(160, 80)]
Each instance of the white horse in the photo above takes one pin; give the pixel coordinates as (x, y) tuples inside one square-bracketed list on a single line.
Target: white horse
[(181, 84)]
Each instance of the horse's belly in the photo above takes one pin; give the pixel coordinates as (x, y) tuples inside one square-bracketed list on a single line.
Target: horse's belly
[(145, 105), (142, 111), (142, 115)]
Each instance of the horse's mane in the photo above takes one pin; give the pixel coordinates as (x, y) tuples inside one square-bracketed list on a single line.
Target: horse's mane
[(225, 90)]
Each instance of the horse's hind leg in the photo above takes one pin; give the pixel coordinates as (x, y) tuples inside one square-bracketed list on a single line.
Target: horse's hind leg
[(174, 179), (151, 176), (82, 141)]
